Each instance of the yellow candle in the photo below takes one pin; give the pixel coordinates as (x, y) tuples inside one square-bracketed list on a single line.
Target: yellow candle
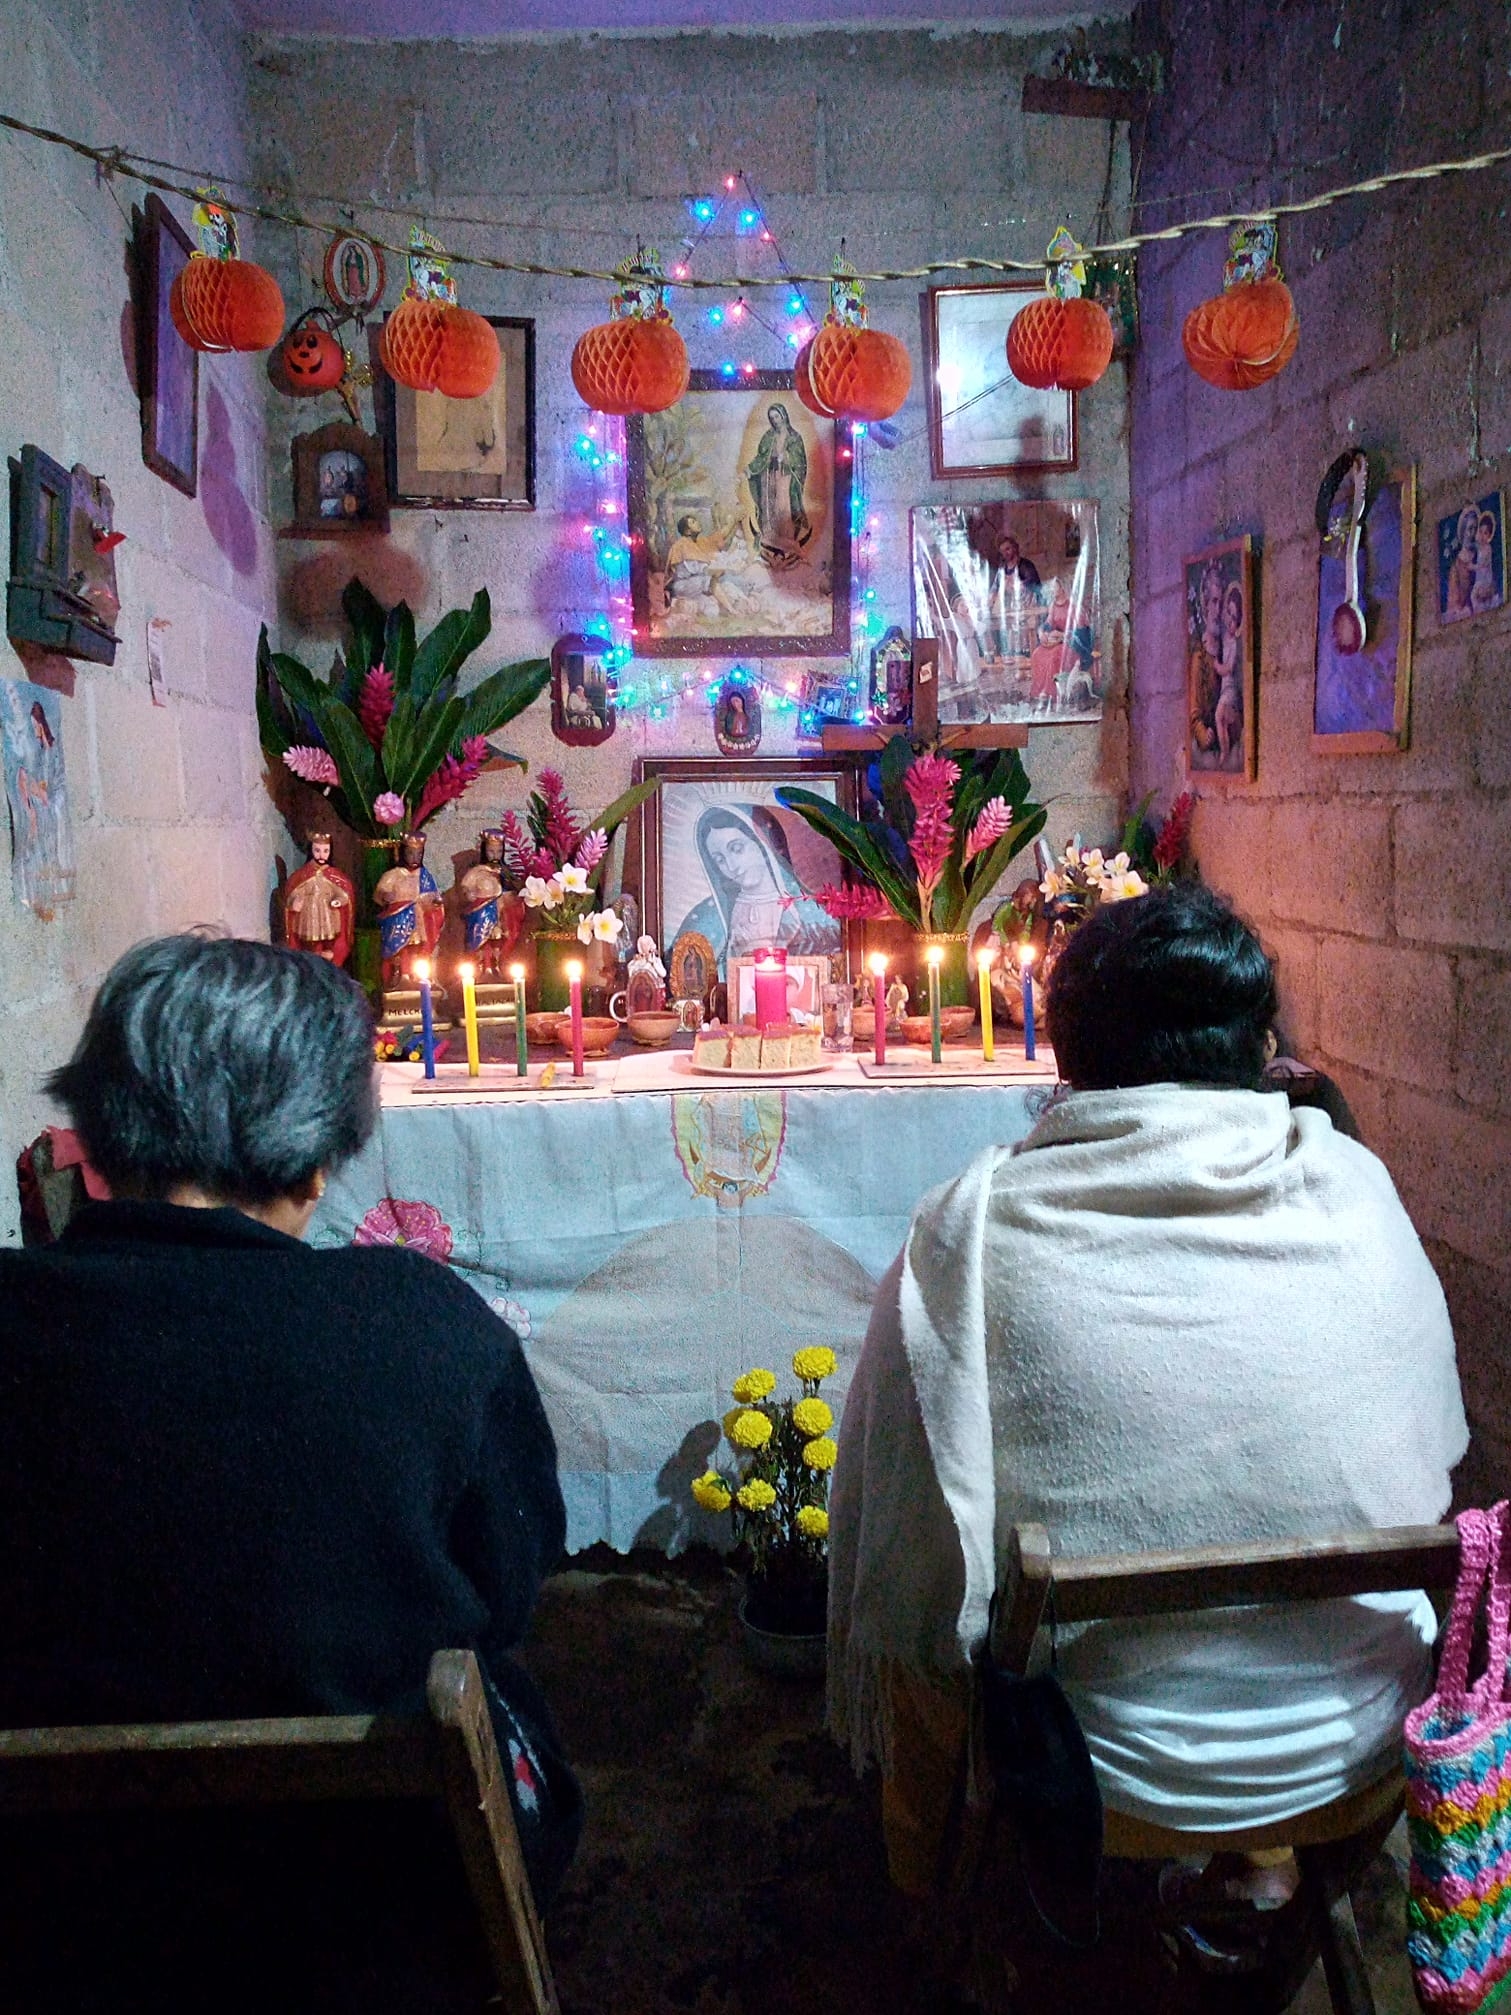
[(469, 1017), (984, 970)]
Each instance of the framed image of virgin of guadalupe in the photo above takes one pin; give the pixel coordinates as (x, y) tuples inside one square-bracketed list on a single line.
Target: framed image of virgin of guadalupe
[(739, 523)]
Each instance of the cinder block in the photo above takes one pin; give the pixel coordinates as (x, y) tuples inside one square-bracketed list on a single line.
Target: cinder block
[(1450, 1167), (1479, 1307), (215, 788), (1388, 1009), (884, 140), (1331, 866), (136, 747), (1295, 957), (1418, 409), (1489, 708), (1231, 839), (1484, 1035), (1159, 643), (1495, 377), (686, 145), (1453, 872)]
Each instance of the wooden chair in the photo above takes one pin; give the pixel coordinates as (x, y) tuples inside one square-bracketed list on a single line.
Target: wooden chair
[(452, 1756), (1334, 1843)]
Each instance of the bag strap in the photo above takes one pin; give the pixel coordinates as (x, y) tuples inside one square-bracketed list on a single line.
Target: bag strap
[(1475, 1543), (1494, 1682)]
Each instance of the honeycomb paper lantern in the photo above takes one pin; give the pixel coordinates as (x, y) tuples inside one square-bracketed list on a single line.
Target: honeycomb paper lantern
[(468, 363), (635, 364), (802, 383), (1056, 345), (859, 373), (226, 304), (1244, 336), (410, 345), (312, 361)]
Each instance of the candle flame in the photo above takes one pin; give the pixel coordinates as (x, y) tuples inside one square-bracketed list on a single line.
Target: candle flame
[(985, 957), (879, 964), (516, 973), (1026, 955), (934, 954), (422, 970), (467, 973), (574, 969)]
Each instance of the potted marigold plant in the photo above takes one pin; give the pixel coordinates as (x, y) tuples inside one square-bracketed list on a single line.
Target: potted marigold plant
[(778, 1499)]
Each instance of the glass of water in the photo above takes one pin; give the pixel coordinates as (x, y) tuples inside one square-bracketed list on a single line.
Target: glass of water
[(837, 1000)]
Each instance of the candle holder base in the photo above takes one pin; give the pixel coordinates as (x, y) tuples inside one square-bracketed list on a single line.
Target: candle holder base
[(957, 1065), (455, 1080)]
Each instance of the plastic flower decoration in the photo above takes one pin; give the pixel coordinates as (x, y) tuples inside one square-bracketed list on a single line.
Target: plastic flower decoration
[(574, 879), (603, 925), (540, 894)]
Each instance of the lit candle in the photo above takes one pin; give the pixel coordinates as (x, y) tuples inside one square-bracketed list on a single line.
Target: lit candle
[(469, 1017), (879, 1003), (1026, 964), (521, 1049), (427, 1016), (770, 988), (984, 973), (574, 984), (934, 954)]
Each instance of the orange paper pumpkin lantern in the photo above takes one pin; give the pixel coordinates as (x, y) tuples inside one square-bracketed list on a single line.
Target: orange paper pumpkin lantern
[(469, 359), (226, 304), (1057, 345), (1244, 336), (312, 361), (633, 364), (857, 372), (802, 383), (410, 346)]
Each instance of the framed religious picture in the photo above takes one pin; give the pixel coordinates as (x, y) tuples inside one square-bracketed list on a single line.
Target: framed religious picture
[(739, 522), (892, 680), (339, 485), (982, 421), (167, 369), (582, 694), (355, 274), (1472, 559), (737, 718), (721, 857), (445, 454), (1220, 663), (1011, 594), (1362, 696)]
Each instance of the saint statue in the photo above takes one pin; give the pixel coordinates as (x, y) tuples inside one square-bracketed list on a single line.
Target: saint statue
[(409, 912), (320, 906), (645, 985), (491, 917)]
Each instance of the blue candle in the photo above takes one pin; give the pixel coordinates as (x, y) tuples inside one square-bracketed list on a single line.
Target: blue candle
[(1026, 956), (427, 1017)]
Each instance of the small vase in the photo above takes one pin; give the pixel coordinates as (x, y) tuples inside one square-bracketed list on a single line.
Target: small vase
[(954, 970), (377, 857), (553, 952), (787, 1654)]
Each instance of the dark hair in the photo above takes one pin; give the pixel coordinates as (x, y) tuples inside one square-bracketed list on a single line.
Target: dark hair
[(238, 1067), (1169, 987)]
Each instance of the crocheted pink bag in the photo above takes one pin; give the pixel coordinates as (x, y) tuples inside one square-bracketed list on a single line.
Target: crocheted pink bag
[(1458, 1793)]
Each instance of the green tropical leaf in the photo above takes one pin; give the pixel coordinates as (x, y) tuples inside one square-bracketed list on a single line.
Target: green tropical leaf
[(343, 681), (357, 761), (949, 901), (269, 728), (855, 845), (398, 738), (453, 640), (502, 695), (435, 736), (896, 760), (300, 686), (615, 814), (366, 620), (398, 646)]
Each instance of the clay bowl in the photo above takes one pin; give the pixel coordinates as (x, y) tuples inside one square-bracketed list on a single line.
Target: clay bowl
[(598, 1033), (541, 1028), (652, 1030), (956, 1024), (863, 1025)]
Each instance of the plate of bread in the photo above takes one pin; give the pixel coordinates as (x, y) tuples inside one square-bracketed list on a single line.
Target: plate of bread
[(781, 1049)]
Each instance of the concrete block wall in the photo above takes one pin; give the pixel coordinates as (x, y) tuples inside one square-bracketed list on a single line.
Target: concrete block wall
[(1381, 883), (905, 145), (171, 823)]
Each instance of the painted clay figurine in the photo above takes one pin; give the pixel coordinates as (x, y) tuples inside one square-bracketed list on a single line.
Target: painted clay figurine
[(320, 905), (409, 912), (491, 916), (645, 985)]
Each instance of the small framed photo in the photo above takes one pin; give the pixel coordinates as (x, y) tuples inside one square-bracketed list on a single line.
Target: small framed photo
[(982, 421), (1220, 660), (805, 976), (892, 679), (339, 485), (1472, 560), (167, 369), (582, 694), (445, 454), (1362, 699), (737, 719)]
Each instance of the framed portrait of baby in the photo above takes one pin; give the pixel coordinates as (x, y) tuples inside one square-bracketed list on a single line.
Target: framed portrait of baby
[(1220, 663), (721, 857)]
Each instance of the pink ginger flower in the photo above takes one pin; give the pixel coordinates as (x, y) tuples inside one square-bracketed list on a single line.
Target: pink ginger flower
[(388, 808), (375, 704), (861, 900), (519, 855), (994, 819), (451, 776), (930, 783), (591, 849), (543, 863), (557, 825), (397, 1221), (316, 766), (1174, 833)]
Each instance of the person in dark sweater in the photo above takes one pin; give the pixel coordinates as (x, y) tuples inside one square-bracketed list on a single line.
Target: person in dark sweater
[(239, 1476)]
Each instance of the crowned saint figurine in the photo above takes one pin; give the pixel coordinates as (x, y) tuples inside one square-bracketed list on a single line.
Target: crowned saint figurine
[(409, 909), (491, 916), (319, 905)]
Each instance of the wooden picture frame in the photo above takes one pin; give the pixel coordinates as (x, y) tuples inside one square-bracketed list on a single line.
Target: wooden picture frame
[(982, 421), (340, 487), (677, 881), (1221, 661), (492, 439), (167, 368), (716, 569), (582, 691), (1361, 702)]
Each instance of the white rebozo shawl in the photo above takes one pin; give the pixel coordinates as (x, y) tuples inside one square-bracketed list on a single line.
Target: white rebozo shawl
[(1173, 1316)]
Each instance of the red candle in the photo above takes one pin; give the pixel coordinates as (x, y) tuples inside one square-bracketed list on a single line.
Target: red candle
[(574, 982), (770, 987), (879, 998)]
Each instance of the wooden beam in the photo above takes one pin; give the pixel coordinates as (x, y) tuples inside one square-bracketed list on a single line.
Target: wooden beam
[(1063, 98)]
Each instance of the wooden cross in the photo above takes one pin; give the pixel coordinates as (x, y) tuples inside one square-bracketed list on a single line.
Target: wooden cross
[(848, 737)]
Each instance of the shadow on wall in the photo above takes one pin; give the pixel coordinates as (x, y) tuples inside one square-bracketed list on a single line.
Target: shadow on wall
[(309, 592), (227, 512)]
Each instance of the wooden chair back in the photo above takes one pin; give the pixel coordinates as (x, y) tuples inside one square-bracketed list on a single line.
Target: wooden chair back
[(451, 1755)]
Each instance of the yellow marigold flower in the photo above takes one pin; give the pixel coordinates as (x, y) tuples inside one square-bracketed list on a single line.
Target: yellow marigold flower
[(735, 1413), (753, 1385), (820, 1454), (818, 1361), (711, 1491), (757, 1495), (751, 1430), (812, 1416), (813, 1522)]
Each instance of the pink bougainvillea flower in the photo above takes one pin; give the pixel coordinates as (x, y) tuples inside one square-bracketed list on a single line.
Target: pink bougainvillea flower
[(375, 704), (316, 766), (862, 901), (388, 809), (396, 1221), (994, 819)]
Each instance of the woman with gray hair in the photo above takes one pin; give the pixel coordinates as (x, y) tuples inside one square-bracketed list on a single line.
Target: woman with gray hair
[(238, 1475)]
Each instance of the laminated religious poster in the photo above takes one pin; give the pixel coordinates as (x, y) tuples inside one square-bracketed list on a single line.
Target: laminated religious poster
[(36, 792), (1011, 592)]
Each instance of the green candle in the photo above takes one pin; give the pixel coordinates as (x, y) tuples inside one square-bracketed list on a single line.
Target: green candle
[(521, 1052), (934, 954)]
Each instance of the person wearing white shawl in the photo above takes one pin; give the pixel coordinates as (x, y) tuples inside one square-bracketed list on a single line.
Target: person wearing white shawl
[(1177, 1314)]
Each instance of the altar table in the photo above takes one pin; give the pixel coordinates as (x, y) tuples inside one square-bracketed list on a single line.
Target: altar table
[(655, 1236)]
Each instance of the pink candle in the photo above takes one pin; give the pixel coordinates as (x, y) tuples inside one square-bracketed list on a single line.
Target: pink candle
[(770, 987), (879, 998), (574, 982)]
